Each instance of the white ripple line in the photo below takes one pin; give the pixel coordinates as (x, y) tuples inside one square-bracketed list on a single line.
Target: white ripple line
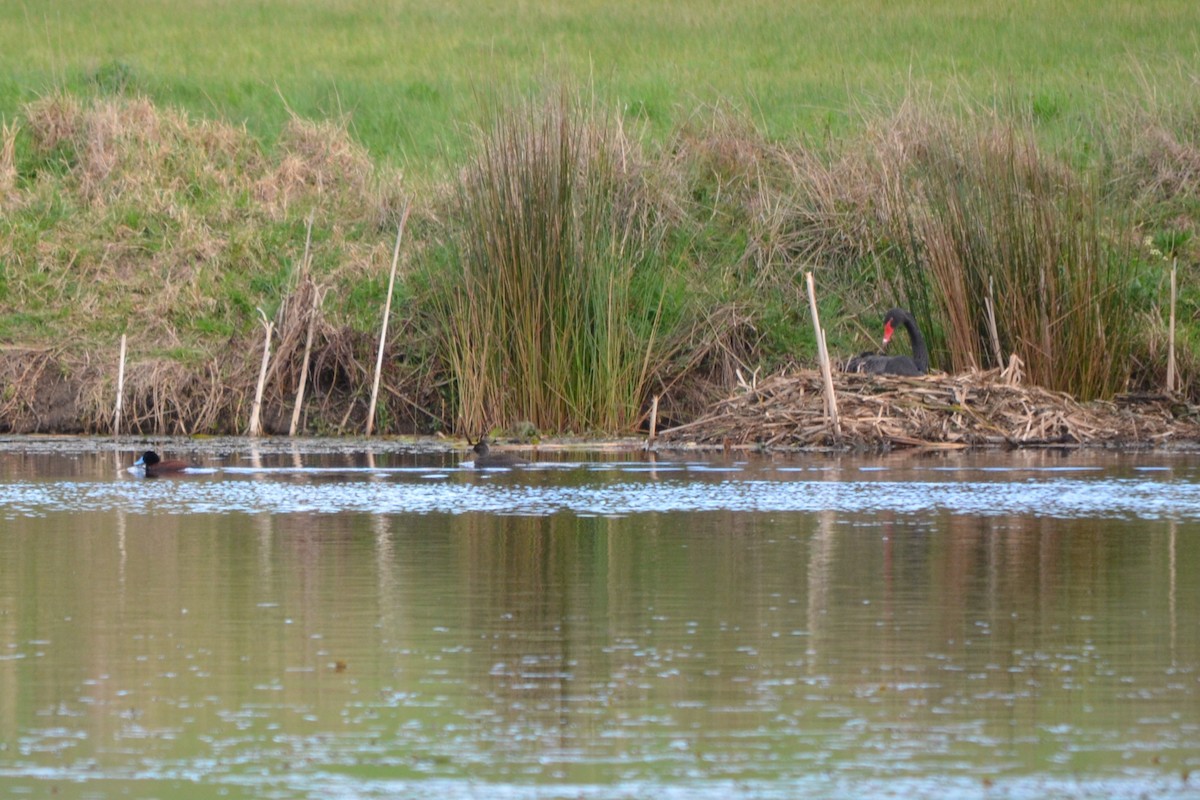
[(1065, 498)]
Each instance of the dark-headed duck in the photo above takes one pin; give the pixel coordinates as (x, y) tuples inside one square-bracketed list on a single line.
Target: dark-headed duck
[(153, 465), (488, 460)]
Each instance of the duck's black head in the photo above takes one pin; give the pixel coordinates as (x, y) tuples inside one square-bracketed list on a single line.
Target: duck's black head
[(481, 447), (148, 459)]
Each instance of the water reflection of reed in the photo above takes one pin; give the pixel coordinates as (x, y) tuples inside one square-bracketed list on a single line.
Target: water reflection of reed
[(617, 635), (678, 623), (584, 616)]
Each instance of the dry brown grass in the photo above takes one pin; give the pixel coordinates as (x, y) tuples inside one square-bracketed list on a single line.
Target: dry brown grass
[(175, 230), (36, 395), (319, 163), (54, 120), (8, 166), (1165, 166), (176, 212)]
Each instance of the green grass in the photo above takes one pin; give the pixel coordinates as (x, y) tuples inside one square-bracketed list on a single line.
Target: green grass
[(412, 77)]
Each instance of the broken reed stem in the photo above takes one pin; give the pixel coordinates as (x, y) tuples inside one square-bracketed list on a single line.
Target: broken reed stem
[(823, 359), (307, 245), (1171, 333), (653, 418), (256, 409), (318, 296), (831, 395), (121, 389), (387, 311), (993, 332), (301, 274)]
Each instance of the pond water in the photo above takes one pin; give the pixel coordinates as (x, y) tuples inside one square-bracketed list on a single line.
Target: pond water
[(353, 619)]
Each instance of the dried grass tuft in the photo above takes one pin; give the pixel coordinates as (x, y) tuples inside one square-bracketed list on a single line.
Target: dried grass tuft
[(316, 160), (54, 120), (167, 397), (8, 166), (1164, 165)]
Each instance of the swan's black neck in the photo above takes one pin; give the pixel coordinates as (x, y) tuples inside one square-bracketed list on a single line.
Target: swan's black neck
[(920, 351)]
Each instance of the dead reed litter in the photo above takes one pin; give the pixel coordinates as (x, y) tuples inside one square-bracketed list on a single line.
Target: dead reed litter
[(976, 409)]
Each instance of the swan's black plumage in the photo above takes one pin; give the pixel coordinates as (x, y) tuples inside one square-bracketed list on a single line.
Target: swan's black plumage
[(882, 364)]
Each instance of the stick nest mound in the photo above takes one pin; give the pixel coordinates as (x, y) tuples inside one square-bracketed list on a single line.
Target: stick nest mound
[(976, 409)]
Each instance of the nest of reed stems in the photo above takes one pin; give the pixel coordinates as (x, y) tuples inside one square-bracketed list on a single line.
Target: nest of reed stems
[(974, 409)]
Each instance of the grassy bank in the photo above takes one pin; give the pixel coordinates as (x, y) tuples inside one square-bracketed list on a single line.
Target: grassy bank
[(637, 224), (568, 271)]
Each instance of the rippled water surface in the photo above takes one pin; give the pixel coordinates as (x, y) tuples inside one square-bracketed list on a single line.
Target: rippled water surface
[(355, 619)]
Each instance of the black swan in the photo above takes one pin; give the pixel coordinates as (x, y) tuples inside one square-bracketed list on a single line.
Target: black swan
[(880, 364)]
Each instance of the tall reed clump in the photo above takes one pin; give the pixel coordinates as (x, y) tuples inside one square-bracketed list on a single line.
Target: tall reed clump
[(548, 306), (987, 216)]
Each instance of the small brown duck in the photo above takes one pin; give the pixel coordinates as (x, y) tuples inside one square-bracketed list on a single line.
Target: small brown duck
[(154, 466), (484, 459)]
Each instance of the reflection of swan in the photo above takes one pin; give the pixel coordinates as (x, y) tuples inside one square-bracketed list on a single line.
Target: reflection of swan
[(486, 460), (881, 364)]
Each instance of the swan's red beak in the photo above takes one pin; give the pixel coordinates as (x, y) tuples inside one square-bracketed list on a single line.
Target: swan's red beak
[(888, 330)]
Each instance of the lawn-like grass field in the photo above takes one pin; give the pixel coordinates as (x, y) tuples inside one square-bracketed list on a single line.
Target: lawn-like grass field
[(411, 74)]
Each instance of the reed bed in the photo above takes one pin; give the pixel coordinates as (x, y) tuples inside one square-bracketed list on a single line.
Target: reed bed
[(547, 311), (974, 409), (987, 218)]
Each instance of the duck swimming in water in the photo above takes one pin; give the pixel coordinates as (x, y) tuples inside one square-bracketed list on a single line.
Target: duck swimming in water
[(153, 466), (484, 459), (882, 364)]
